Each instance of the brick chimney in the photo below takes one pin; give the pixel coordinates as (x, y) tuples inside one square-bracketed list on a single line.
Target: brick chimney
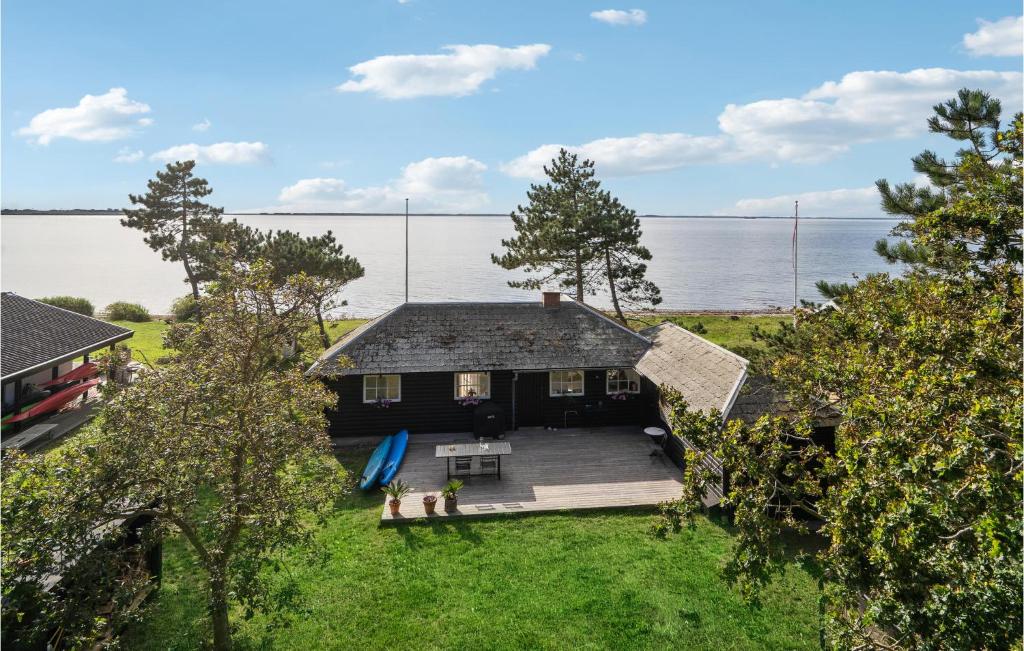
[(552, 299)]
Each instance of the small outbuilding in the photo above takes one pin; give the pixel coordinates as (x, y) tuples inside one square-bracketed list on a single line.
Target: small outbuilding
[(40, 342)]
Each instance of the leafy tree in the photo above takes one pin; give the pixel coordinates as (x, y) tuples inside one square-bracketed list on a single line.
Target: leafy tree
[(321, 257), (225, 445), (622, 257), (554, 232), (125, 311), (70, 303), (920, 499), (177, 223)]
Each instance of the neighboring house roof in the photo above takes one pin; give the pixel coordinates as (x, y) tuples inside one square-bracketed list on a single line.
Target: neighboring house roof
[(423, 337), (760, 396), (35, 336), (707, 375)]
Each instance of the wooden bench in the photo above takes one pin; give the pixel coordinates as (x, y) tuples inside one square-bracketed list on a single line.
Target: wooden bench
[(30, 437)]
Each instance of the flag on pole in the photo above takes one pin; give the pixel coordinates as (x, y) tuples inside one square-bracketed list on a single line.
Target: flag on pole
[(796, 226)]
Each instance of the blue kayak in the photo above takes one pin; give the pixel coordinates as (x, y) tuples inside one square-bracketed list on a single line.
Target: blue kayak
[(374, 465), (395, 456)]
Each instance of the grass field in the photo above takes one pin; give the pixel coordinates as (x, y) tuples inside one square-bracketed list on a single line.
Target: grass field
[(147, 342), (732, 332), (590, 580)]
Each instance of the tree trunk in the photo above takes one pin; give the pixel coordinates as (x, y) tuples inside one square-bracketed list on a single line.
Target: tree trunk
[(323, 331), (611, 288), (219, 615), (183, 246), (579, 276)]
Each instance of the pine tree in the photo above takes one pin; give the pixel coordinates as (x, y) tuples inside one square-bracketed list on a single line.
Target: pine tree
[(554, 232), (319, 256), (622, 258), (944, 239), (176, 222)]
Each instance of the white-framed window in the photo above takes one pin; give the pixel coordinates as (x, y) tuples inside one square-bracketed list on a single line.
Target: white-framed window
[(472, 385), (565, 383), (382, 387), (623, 380)]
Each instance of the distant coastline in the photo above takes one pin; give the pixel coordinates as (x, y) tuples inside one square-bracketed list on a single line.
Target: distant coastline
[(114, 211)]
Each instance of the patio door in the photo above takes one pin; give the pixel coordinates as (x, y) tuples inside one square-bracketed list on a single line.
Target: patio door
[(531, 389)]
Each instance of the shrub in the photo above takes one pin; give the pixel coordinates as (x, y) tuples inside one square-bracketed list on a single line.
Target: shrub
[(71, 303), (184, 308), (122, 311)]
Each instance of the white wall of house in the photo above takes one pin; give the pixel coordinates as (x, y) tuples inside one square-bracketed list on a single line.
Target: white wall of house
[(38, 378)]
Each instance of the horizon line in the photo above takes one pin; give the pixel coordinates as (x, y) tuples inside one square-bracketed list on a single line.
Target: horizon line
[(86, 211)]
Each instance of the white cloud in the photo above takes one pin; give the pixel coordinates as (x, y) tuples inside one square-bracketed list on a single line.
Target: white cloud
[(312, 189), (620, 17), (459, 72), (862, 107), (842, 202), (451, 183), (1002, 38), (221, 153), (97, 118), (640, 154), (128, 155), (202, 126)]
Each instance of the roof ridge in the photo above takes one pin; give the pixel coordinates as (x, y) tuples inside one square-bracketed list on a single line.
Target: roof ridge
[(615, 323)]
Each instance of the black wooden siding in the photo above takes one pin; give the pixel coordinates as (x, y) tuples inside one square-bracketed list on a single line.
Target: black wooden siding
[(428, 405)]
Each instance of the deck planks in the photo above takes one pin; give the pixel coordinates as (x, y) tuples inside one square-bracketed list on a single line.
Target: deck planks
[(609, 467)]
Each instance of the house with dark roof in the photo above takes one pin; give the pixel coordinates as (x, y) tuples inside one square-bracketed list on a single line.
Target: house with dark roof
[(557, 363), (39, 342)]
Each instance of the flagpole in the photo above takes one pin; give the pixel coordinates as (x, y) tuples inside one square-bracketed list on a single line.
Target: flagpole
[(407, 250), (796, 251)]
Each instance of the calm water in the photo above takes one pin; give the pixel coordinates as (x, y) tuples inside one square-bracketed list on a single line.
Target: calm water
[(705, 263)]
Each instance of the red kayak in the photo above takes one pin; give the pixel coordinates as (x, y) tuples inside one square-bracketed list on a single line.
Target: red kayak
[(53, 403), (82, 372)]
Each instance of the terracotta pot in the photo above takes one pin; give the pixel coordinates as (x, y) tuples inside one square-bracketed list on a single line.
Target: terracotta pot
[(451, 504), (429, 505), (394, 504)]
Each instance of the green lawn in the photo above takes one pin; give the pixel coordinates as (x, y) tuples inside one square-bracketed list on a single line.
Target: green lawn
[(732, 332), (569, 580), (147, 343)]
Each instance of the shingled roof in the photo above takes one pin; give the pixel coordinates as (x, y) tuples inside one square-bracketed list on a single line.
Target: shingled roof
[(35, 336), (423, 337), (708, 376)]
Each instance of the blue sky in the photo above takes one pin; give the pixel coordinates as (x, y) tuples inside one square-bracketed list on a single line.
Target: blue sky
[(686, 107)]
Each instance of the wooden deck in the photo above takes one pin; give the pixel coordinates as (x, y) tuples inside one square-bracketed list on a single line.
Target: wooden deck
[(608, 467)]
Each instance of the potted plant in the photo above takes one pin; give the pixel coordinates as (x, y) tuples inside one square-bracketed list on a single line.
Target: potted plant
[(396, 490), (450, 494), (429, 502)]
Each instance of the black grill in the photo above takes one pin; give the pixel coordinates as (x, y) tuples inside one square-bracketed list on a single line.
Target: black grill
[(489, 421)]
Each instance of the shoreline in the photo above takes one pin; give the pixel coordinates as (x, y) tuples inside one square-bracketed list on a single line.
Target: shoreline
[(99, 213)]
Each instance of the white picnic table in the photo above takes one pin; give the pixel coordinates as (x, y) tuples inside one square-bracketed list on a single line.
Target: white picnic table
[(496, 449)]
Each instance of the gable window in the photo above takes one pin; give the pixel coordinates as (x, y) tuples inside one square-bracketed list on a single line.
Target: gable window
[(472, 385), (566, 383), (623, 380), (382, 387)]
